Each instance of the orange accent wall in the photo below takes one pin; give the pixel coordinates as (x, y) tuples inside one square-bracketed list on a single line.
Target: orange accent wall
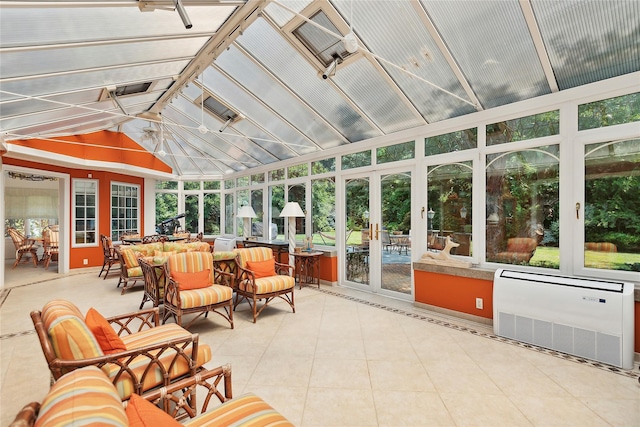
[(454, 293), (92, 254), (103, 146), (329, 268)]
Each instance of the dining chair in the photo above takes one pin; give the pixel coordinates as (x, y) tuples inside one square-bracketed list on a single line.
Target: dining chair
[(51, 245), (24, 246), (110, 256)]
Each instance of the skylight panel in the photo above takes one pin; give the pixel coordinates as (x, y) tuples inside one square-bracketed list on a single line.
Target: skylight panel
[(220, 110), (324, 46)]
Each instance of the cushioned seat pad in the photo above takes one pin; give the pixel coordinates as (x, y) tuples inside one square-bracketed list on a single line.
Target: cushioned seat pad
[(245, 411)]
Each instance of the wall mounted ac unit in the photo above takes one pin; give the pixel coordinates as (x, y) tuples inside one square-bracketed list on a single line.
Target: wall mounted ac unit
[(590, 318)]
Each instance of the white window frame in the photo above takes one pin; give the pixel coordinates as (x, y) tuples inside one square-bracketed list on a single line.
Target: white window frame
[(74, 218)]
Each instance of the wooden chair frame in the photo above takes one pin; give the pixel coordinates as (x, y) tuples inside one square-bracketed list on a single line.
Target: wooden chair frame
[(110, 256), (127, 324), (154, 275), (172, 293), (51, 243), (23, 246), (250, 292)]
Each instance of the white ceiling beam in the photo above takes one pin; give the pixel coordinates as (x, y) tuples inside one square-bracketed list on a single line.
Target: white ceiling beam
[(446, 53), (538, 42)]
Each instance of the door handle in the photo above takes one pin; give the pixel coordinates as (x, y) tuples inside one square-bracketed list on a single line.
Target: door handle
[(377, 232)]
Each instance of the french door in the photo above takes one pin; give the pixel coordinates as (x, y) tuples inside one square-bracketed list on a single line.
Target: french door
[(377, 218)]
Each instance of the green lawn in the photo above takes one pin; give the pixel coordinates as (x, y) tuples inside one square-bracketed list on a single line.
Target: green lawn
[(550, 257)]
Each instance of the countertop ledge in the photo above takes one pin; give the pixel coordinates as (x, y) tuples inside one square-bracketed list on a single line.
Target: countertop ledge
[(473, 272)]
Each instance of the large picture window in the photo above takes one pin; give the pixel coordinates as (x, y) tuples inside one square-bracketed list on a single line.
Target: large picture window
[(125, 212), (612, 205), (85, 208), (323, 211), (449, 191), (522, 207)]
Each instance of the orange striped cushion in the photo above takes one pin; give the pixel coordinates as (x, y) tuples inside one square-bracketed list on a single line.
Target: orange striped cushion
[(82, 397), (245, 411), (265, 285), (253, 254), (205, 296), (130, 258), (140, 364), (191, 262), (53, 309)]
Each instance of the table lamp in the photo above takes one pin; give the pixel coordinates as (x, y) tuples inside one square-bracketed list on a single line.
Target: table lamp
[(292, 210), (247, 212)]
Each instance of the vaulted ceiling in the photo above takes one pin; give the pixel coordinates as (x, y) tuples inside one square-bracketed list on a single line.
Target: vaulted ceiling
[(255, 82)]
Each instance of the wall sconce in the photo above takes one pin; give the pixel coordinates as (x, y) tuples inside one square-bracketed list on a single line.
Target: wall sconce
[(292, 210), (247, 212)]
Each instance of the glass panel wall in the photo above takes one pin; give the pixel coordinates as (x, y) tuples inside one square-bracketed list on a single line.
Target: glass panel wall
[(276, 195), (298, 193), (522, 197), (323, 211), (612, 205), (450, 208)]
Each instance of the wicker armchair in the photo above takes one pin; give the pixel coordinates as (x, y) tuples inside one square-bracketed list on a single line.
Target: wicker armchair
[(110, 256), (23, 246), (154, 280), (51, 243), (189, 289), (252, 286), (154, 355)]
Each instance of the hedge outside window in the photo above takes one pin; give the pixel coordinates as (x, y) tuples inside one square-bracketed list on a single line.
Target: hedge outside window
[(229, 213), (323, 211), (211, 214), (166, 206)]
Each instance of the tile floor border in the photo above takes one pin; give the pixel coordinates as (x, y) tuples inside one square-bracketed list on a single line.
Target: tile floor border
[(576, 359)]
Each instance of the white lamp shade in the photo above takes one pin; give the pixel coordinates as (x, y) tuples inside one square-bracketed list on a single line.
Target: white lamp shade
[(291, 209), (247, 212)]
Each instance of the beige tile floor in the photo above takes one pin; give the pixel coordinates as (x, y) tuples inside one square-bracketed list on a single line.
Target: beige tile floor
[(345, 358)]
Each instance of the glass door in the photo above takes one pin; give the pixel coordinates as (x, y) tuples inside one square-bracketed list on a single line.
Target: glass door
[(378, 229)]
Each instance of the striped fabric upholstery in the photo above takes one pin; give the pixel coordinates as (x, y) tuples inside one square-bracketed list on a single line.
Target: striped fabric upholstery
[(82, 397), (253, 254), (204, 296), (245, 411), (139, 365), (70, 337), (191, 262), (266, 285), (224, 255), (53, 309), (601, 246), (130, 253), (187, 247)]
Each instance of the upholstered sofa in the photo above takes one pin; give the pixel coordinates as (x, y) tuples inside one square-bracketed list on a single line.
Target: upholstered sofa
[(138, 355), (519, 250), (87, 397), (130, 271)]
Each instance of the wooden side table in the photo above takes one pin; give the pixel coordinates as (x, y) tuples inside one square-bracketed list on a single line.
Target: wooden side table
[(307, 268)]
